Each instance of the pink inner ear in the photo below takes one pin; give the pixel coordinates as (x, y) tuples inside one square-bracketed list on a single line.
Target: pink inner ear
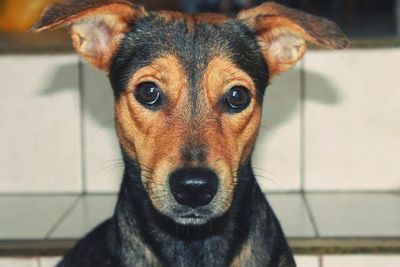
[(101, 37), (95, 35), (286, 47)]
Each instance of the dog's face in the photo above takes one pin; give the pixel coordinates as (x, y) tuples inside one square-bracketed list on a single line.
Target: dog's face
[(188, 89), (188, 110)]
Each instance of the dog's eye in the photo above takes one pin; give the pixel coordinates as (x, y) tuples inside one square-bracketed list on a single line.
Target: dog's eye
[(238, 98), (148, 93)]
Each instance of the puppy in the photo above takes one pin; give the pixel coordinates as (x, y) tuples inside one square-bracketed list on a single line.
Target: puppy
[(188, 96)]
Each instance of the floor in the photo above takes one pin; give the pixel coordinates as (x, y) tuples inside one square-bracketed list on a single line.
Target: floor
[(324, 229), (313, 215)]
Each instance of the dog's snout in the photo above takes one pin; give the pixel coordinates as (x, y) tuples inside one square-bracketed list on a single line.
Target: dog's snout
[(193, 187), (194, 152)]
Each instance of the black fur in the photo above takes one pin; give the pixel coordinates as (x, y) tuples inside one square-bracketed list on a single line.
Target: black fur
[(137, 235)]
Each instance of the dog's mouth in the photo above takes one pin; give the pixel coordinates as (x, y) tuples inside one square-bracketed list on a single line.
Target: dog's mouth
[(188, 216), (191, 219), (192, 196)]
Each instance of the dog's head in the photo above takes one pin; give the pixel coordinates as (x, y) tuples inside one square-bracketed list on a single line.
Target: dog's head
[(189, 88)]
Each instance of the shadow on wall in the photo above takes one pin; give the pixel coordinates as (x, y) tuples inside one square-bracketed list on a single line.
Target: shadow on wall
[(283, 96), (281, 100), (98, 103)]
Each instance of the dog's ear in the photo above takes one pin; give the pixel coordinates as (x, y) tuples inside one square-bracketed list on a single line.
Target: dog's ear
[(96, 26), (282, 33)]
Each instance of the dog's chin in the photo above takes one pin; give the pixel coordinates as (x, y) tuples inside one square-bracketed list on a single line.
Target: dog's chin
[(191, 220), (193, 217)]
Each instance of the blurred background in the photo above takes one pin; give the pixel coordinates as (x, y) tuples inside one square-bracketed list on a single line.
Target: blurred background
[(358, 18), (373, 20), (327, 155)]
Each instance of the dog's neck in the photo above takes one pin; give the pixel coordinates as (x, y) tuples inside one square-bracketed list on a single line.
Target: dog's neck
[(143, 233)]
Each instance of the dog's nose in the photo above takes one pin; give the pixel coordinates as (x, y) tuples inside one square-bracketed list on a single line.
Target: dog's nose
[(193, 187)]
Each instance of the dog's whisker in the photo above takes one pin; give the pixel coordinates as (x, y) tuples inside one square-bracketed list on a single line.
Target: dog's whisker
[(111, 166), (113, 161), (142, 166), (266, 129), (263, 169), (269, 132), (107, 123), (119, 163), (271, 180), (118, 159), (108, 169)]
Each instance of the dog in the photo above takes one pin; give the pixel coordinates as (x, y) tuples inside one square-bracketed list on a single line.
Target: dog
[(188, 92)]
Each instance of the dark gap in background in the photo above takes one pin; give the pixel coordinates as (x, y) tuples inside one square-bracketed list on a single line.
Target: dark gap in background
[(357, 18)]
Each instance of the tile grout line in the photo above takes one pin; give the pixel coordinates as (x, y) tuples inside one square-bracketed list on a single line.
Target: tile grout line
[(328, 192), (67, 212), (82, 127), (302, 125), (310, 214), (320, 261)]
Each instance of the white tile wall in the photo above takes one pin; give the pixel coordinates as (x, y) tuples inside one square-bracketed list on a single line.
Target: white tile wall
[(362, 261), (39, 122), (307, 261), (49, 261), (351, 125), (352, 122), (102, 154), (277, 156), (18, 262)]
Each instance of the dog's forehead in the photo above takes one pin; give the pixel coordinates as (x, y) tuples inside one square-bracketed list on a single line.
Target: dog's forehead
[(194, 40)]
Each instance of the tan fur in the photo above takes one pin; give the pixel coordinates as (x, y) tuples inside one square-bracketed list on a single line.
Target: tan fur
[(244, 257), (155, 133), (221, 75), (233, 142), (209, 18), (192, 20)]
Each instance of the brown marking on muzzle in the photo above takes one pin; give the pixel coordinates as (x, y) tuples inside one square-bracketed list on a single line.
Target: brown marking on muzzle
[(230, 136), (147, 133), (152, 137)]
